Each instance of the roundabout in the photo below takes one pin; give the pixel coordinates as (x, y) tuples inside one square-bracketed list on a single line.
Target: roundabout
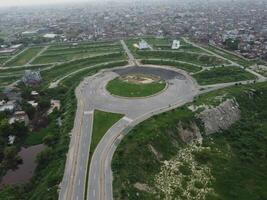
[(177, 88)]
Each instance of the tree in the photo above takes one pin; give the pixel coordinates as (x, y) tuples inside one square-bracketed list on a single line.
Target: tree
[(2, 40), (11, 159), (44, 157), (29, 109), (44, 103), (49, 140), (5, 128)]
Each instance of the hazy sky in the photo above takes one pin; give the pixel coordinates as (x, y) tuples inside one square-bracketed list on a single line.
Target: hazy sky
[(34, 2)]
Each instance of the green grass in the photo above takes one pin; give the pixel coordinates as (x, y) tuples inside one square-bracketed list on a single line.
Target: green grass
[(3, 59), (134, 162), (101, 123), (35, 138), (223, 75), (194, 58), (24, 57), (66, 68), (63, 55), (99, 44), (236, 157), (187, 67), (121, 88), (231, 56)]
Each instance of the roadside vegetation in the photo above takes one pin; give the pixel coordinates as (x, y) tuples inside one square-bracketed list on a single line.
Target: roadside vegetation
[(223, 75), (231, 164), (51, 161)]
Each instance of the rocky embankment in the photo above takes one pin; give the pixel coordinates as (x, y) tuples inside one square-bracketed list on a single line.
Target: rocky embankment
[(220, 117)]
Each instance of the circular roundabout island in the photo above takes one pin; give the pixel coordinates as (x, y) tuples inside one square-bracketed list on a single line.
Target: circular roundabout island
[(136, 85)]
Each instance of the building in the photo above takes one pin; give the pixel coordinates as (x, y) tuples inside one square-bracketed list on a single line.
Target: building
[(55, 104), (9, 106), (176, 44), (11, 139), (143, 45), (31, 77), (19, 116)]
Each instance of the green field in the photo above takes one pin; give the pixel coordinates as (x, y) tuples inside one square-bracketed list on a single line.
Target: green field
[(231, 56), (233, 162), (3, 59), (66, 68), (223, 75), (177, 64), (24, 57), (194, 58), (122, 88), (67, 54)]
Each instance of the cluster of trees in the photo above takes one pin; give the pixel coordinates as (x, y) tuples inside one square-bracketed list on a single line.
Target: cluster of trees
[(8, 152)]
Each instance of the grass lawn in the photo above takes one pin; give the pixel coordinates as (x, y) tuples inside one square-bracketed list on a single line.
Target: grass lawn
[(195, 58), (3, 59), (66, 68), (25, 57), (121, 88), (223, 75), (102, 122)]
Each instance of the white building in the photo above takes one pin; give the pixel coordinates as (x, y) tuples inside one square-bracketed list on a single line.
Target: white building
[(50, 35), (143, 45), (9, 106), (176, 44)]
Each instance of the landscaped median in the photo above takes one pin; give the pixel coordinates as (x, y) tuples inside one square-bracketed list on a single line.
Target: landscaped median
[(102, 121), (136, 85)]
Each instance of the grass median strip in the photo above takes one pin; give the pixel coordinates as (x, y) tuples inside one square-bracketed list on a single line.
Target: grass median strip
[(101, 123)]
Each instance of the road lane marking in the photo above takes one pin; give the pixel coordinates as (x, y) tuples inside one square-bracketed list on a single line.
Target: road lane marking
[(127, 119), (89, 112)]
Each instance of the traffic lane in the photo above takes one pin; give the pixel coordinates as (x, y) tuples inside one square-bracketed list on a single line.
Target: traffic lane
[(86, 133), (96, 175)]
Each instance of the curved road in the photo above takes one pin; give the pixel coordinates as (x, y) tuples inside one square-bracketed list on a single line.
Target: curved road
[(91, 95)]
